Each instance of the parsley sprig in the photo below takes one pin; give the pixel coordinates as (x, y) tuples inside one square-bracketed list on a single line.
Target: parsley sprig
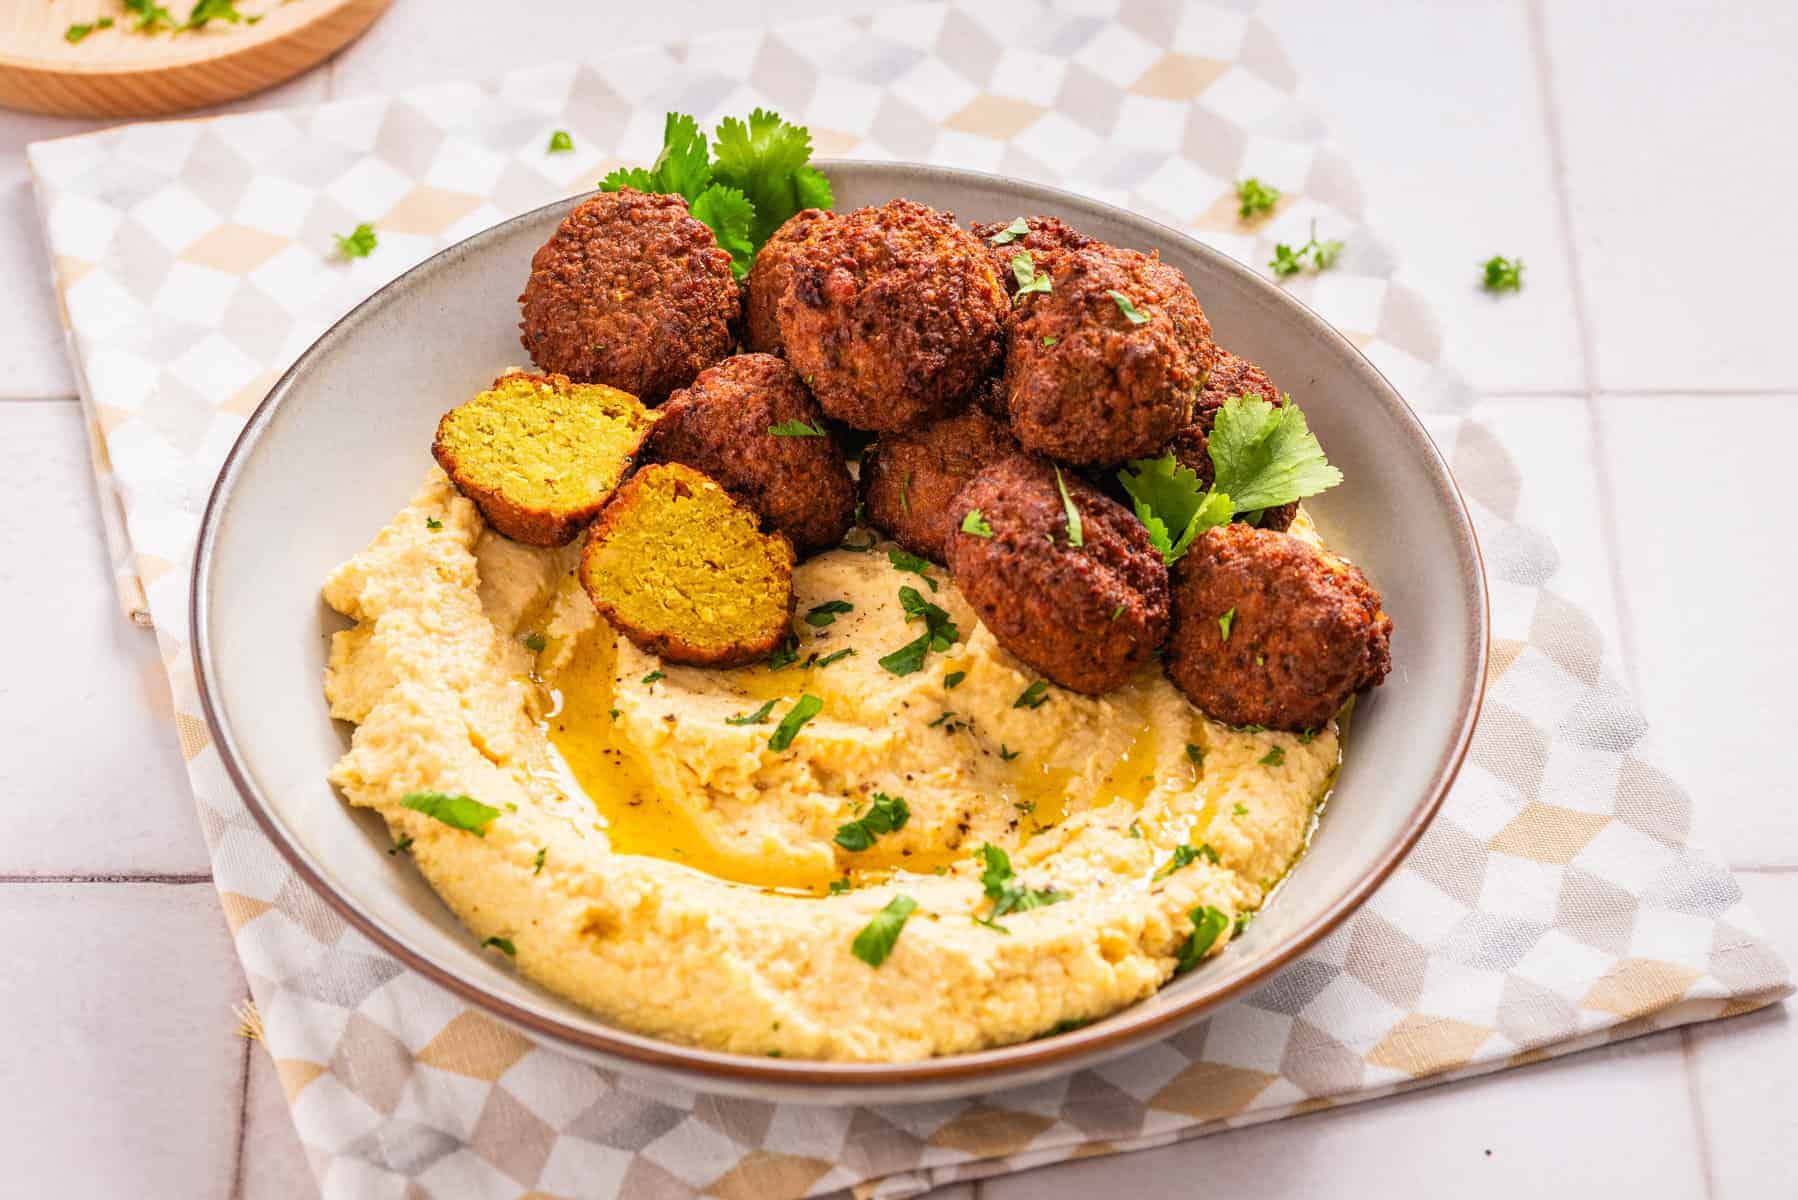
[(1288, 261), (1255, 198)]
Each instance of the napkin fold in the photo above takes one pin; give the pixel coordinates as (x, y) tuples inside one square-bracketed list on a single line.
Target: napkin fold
[(1558, 902)]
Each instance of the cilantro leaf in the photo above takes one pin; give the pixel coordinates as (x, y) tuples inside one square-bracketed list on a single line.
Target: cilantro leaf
[(1274, 757), (503, 945), (1023, 269), (684, 165), (459, 812), (1032, 696), (975, 523), (653, 676), (903, 561), (764, 158), (909, 658), (1255, 197), (953, 678), (1225, 622), (1503, 274), (1011, 233), (1172, 504), (803, 710), (150, 16), (939, 634), (629, 177), (730, 216), (357, 243), (537, 867), (888, 814), (796, 428), (824, 614), (752, 718), (1208, 924), (1186, 855), (1131, 313), (1266, 456), (835, 656), (74, 33), (1006, 893), (213, 10), (1076, 534), (560, 142), (876, 940)]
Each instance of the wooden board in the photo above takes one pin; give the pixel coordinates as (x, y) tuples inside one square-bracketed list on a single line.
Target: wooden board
[(119, 72)]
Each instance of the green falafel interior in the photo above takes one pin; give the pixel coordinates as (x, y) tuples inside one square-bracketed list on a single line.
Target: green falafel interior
[(1262, 455), (742, 186)]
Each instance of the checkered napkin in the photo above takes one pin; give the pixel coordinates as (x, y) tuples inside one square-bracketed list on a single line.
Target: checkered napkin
[(1557, 903)]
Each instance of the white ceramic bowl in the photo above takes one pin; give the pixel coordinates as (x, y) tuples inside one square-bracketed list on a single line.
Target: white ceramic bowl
[(344, 438)]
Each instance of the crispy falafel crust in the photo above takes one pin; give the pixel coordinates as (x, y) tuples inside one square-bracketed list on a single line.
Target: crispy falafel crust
[(721, 424), (540, 455), (1306, 630), (684, 571), (1086, 616), (632, 292), (893, 315), (1083, 383), (910, 480), (768, 277)]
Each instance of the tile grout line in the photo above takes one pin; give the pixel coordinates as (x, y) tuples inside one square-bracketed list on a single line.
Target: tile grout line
[(243, 1121), (1688, 1054), (1607, 491), (99, 878)]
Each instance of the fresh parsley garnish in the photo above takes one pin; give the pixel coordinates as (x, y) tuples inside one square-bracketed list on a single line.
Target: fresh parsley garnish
[(1076, 532), (1131, 313), (1307, 736), (948, 714), (459, 812), (150, 16), (953, 678), (803, 710), (537, 862), (215, 10), (74, 33), (1503, 274), (1274, 757), (503, 945), (1048, 340), (1290, 261), (796, 428), (403, 844), (753, 718), (1135, 831), (1185, 855), (1240, 810), (535, 642), (902, 561), (975, 523), (1195, 755), (1255, 197), (433, 523), (820, 615), (1208, 924), (1023, 269), (357, 243), (1011, 233), (653, 676), (839, 886), (939, 633), (560, 142), (1006, 753), (1006, 893), (1225, 622), (1032, 696), (783, 655), (888, 814), (876, 940), (835, 656), (1171, 503)]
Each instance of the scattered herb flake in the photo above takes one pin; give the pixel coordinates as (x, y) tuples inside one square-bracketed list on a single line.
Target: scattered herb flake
[(820, 615), (401, 846), (433, 523), (503, 945), (150, 16), (975, 523), (1241, 810), (752, 718), (1208, 924), (946, 715), (1023, 269), (1275, 756), (903, 561), (535, 642), (1306, 737), (1135, 831), (1290, 261), (803, 710), (1185, 856), (835, 656), (875, 942), (1195, 754), (1076, 532), (1011, 233), (357, 243), (1048, 340), (1226, 621), (1006, 754), (1131, 313), (1006, 893), (1255, 197), (459, 812), (560, 142), (796, 428), (1032, 696), (839, 886), (784, 655), (1503, 274), (888, 814), (537, 862), (74, 33), (953, 678)]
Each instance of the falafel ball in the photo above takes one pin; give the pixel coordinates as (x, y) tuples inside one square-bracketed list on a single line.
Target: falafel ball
[(1087, 382), (1269, 631), (1086, 611), (1229, 377), (767, 279), (910, 480), (632, 292), (1048, 240), (893, 315), (723, 425)]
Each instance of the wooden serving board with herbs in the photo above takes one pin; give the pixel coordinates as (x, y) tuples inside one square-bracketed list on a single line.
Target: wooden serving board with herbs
[(129, 58)]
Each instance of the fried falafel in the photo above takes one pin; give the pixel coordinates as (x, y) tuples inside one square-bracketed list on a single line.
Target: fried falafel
[(894, 315), (1048, 239), (910, 480), (768, 277), (1086, 602), (751, 425), (1269, 631), (632, 292)]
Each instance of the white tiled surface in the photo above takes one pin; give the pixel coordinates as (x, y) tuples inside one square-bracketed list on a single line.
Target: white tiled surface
[(1641, 160)]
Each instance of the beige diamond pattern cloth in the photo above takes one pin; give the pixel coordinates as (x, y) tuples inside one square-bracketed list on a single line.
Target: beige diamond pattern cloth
[(1558, 903)]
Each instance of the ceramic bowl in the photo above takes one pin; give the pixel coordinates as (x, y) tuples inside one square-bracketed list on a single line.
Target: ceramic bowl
[(344, 438)]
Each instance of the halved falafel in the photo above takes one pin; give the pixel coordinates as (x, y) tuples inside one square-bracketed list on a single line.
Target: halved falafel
[(1269, 631), (893, 315), (1106, 365), (910, 480), (1048, 239), (1085, 603), (685, 572), (750, 424), (632, 292), (767, 279), (540, 455)]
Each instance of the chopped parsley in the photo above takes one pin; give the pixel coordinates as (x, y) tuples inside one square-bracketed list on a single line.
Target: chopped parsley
[(1131, 313), (1255, 197), (784, 655), (903, 561), (1006, 893), (1306, 737), (459, 812), (1196, 755), (947, 714), (1116, 613), (839, 886), (150, 16), (1049, 340), (1226, 621), (803, 710), (953, 678), (357, 243), (1241, 810), (888, 814), (653, 676), (503, 945), (560, 142), (1290, 261), (537, 862), (1023, 269), (1208, 924), (1185, 856), (1011, 233), (215, 10), (876, 940), (1032, 696), (1275, 756), (1076, 532), (975, 523), (796, 428), (1006, 754), (939, 633), (820, 615), (535, 642), (904, 499), (401, 846), (74, 33), (1503, 274), (433, 523), (752, 718), (835, 656), (1135, 831)]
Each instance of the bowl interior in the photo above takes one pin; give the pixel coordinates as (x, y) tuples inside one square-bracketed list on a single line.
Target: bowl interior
[(343, 441)]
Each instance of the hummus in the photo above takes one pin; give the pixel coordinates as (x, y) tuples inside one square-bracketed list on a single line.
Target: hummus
[(656, 860)]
